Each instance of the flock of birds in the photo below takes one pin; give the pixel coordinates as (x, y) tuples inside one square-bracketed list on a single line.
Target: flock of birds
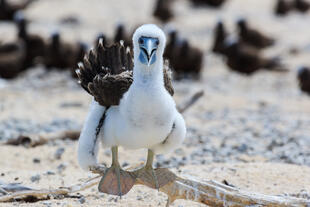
[(163, 8), (28, 50), (242, 54), (283, 7)]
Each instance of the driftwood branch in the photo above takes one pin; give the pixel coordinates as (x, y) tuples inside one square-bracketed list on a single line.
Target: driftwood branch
[(12, 187), (191, 101), (210, 193), (41, 139), (3, 191)]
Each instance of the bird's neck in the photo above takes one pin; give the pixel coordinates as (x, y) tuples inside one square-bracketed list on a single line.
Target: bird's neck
[(22, 33), (243, 30), (152, 75)]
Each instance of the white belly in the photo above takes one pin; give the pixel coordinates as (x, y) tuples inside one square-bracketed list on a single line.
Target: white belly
[(145, 122)]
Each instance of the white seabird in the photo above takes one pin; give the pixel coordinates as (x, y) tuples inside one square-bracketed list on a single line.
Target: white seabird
[(146, 116)]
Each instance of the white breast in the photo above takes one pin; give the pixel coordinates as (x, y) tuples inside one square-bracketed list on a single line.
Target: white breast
[(144, 118)]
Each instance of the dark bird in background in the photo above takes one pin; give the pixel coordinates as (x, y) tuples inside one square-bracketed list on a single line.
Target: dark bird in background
[(82, 49), (211, 3), (100, 36), (56, 52), (301, 5), (163, 10), (220, 34), (7, 10), (247, 60), (242, 53), (171, 44), (12, 56), (121, 34), (303, 77), (253, 37), (34, 44), (283, 7), (185, 60), (63, 55), (188, 61)]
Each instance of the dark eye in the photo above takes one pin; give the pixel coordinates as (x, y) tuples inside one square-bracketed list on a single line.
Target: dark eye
[(157, 42), (141, 41)]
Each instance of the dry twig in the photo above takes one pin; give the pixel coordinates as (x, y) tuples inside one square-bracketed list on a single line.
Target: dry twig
[(41, 139), (191, 101)]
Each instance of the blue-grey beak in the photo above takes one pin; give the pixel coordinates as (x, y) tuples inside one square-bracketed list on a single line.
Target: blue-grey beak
[(148, 47)]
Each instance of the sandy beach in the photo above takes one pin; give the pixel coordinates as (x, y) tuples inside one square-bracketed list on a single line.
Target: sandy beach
[(252, 131)]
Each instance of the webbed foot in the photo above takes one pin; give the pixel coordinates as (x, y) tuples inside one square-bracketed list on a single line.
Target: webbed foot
[(154, 178), (116, 181)]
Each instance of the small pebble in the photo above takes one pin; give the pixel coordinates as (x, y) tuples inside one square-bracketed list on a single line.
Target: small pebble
[(113, 199), (107, 152), (82, 200), (47, 203), (59, 152), (70, 104), (36, 160), (35, 178), (125, 164), (61, 167), (50, 173)]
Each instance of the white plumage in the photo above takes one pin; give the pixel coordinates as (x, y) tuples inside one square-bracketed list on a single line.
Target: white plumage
[(146, 116)]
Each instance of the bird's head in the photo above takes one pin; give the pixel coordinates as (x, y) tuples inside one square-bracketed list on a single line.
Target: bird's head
[(242, 24), (149, 43), (21, 23), (55, 39), (219, 26)]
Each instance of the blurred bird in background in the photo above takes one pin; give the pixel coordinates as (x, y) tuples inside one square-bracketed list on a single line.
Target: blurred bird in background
[(8, 9), (303, 77)]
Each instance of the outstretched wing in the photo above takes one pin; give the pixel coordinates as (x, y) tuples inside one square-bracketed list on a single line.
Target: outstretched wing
[(109, 89), (106, 73)]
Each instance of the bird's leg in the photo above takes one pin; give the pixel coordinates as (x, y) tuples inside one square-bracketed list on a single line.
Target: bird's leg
[(116, 167), (116, 181), (149, 167), (148, 173), (154, 178)]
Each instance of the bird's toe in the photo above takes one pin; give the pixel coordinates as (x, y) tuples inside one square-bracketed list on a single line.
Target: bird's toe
[(116, 182), (98, 169), (155, 178)]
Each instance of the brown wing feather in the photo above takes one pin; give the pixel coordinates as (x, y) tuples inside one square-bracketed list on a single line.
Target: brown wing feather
[(106, 73), (168, 78), (108, 90)]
